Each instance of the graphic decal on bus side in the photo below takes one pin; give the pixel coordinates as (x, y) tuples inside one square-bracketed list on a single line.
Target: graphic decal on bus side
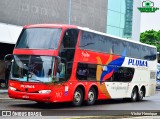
[(102, 86), (111, 67), (105, 72)]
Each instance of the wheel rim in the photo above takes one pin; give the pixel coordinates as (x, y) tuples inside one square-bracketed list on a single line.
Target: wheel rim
[(90, 96), (77, 97), (141, 94)]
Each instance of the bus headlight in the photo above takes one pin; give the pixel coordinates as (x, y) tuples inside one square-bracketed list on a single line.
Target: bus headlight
[(12, 88), (44, 91)]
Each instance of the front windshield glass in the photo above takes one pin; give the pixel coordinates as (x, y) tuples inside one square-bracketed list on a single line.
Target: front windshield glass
[(32, 68), (39, 38)]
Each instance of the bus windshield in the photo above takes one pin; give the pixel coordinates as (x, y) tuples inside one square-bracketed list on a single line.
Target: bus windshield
[(32, 68), (39, 38)]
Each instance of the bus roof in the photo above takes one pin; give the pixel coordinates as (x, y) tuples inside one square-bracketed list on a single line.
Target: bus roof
[(49, 26), (81, 28)]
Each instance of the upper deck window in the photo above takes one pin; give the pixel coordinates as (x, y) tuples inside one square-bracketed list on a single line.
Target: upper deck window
[(111, 45), (39, 38)]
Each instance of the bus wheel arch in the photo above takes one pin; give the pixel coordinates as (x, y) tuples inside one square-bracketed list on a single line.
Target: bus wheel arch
[(92, 95), (134, 94), (78, 96), (141, 93)]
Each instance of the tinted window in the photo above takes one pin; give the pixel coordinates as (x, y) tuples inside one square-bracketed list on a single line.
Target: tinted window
[(148, 53), (67, 49), (118, 46), (39, 38), (125, 45), (135, 50), (87, 41), (106, 44), (100, 43), (70, 38), (121, 74), (92, 41), (153, 53), (86, 71), (145, 52)]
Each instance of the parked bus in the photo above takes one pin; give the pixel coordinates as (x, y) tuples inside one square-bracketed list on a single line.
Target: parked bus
[(67, 63)]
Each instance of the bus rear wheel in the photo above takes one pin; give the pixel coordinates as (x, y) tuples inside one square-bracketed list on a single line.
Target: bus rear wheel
[(134, 95), (78, 97), (141, 95), (91, 96)]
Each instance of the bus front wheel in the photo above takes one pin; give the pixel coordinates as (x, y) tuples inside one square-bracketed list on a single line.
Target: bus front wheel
[(91, 96), (78, 97)]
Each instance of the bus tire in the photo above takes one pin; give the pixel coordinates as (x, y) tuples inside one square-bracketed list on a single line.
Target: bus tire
[(140, 95), (77, 97), (91, 96), (134, 95)]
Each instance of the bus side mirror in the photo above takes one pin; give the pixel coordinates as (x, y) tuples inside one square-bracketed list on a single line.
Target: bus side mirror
[(8, 57)]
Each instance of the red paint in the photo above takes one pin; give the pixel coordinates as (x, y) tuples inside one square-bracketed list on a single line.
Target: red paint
[(57, 90)]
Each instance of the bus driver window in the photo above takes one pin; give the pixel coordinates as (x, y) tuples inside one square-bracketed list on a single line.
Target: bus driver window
[(60, 69)]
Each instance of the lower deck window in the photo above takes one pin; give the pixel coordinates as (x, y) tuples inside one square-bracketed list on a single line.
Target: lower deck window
[(120, 74)]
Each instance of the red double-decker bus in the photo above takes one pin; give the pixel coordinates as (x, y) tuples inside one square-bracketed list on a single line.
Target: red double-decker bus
[(67, 63)]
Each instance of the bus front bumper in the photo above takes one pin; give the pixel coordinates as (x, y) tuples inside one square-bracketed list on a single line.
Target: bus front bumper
[(30, 96)]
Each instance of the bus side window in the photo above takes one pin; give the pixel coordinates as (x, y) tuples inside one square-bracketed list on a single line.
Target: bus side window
[(67, 50), (61, 70), (82, 72)]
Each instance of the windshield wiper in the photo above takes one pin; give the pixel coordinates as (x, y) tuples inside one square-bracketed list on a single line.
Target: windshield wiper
[(36, 80), (13, 79), (86, 44)]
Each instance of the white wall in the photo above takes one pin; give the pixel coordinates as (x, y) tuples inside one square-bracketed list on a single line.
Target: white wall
[(136, 21), (9, 33)]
